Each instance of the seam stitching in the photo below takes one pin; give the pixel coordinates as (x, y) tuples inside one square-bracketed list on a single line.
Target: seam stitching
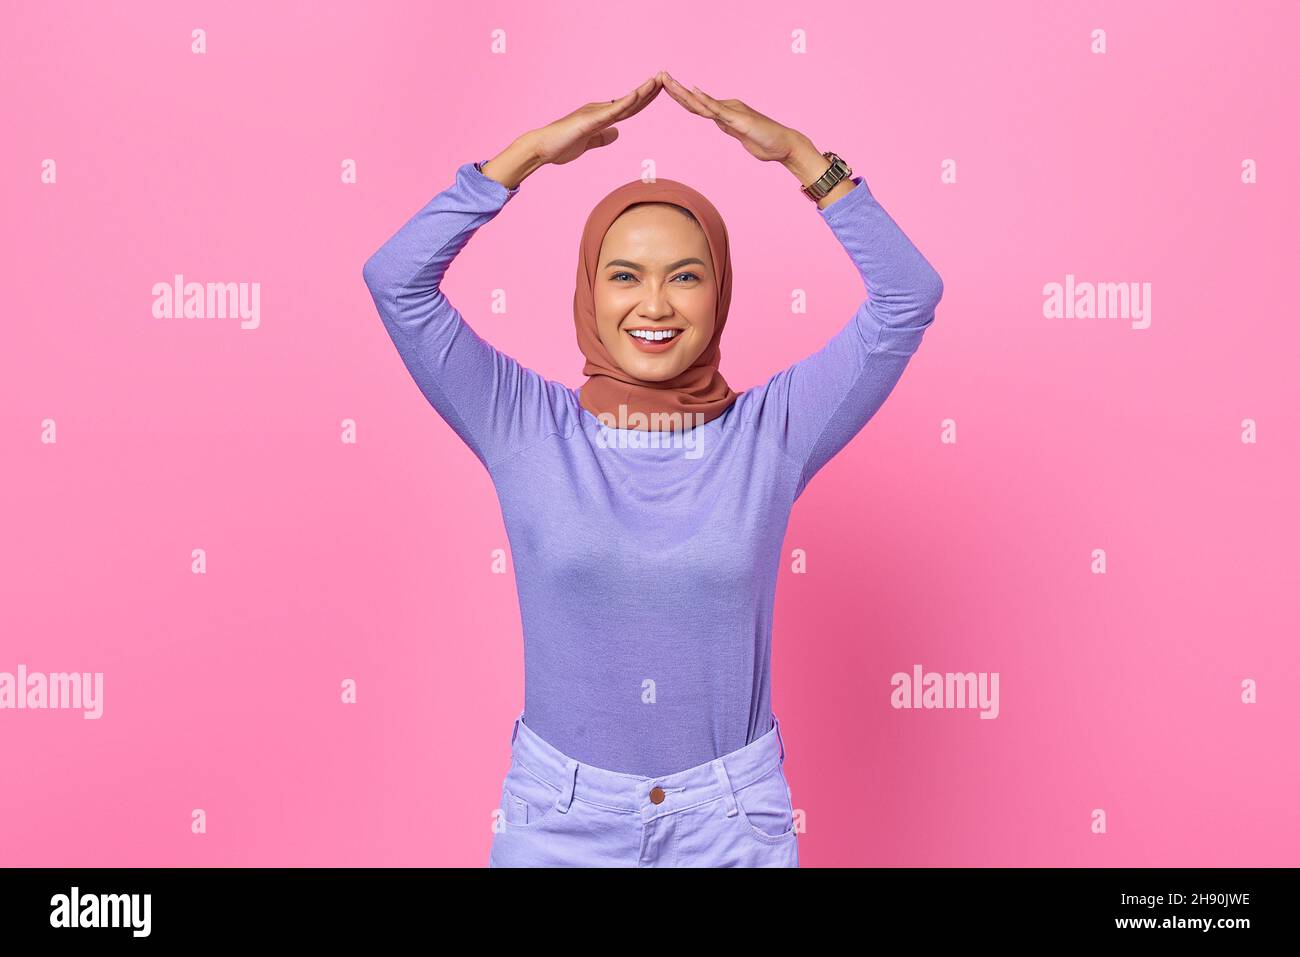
[(862, 370), (432, 376), (558, 430)]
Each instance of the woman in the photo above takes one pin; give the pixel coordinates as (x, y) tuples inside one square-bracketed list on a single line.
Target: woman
[(646, 510)]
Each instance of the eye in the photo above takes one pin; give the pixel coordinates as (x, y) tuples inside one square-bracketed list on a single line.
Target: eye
[(615, 277)]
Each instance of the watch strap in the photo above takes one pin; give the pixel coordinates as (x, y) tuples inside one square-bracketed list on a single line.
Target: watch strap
[(838, 170)]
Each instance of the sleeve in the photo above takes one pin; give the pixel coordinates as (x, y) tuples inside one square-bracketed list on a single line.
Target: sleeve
[(816, 406), (495, 405)]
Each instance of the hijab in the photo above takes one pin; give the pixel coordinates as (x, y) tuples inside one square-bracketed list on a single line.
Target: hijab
[(698, 389)]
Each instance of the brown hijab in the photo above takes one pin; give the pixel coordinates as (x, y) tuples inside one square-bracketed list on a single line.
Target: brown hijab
[(700, 388)]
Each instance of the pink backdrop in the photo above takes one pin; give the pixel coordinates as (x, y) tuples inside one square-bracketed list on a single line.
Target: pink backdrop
[(371, 561)]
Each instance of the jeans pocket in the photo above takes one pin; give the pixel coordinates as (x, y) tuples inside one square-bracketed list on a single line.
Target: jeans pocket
[(526, 799), (766, 808)]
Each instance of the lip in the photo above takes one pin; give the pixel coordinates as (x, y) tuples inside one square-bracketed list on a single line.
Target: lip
[(654, 347)]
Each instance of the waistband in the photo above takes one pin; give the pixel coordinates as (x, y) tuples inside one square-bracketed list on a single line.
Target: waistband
[(618, 790)]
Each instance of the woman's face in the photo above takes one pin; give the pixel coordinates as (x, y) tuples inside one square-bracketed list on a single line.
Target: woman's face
[(655, 276)]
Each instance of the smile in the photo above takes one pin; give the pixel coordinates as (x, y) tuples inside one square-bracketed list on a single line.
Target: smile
[(654, 340)]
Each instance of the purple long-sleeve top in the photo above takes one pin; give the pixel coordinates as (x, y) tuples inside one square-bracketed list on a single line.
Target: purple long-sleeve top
[(646, 572)]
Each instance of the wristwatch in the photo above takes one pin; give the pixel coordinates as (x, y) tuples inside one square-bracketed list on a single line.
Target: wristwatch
[(838, 170)]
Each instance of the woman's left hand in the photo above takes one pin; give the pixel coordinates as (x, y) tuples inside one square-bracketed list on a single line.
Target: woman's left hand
[(761, 135)]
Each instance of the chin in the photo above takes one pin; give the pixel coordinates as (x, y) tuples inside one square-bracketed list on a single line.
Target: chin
[(651, 373)]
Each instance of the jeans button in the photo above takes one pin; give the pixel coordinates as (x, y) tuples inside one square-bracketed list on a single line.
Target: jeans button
[(657, 795)]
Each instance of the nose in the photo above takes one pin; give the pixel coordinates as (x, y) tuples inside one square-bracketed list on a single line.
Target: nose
[(655, 304)]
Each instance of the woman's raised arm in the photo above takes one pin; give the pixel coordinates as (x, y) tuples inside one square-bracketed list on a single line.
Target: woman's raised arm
[(816, 406), (496, 405), (813, 408), (491, 401)]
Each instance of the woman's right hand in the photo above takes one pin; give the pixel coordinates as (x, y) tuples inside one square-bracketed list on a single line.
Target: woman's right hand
[(590, 126)]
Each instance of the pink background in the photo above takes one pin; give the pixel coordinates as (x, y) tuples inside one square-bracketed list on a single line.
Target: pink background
[(371, 561)]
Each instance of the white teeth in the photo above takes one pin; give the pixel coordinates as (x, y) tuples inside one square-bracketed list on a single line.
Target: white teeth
[(654, 336)]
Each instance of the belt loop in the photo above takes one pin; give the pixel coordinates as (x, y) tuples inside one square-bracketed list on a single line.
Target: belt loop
[(728, 795), (515, 733), (777, 724), (566, 789)]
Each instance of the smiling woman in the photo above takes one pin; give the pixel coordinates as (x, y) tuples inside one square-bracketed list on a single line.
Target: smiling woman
[(652, 298), (653, 314), (648, 736)]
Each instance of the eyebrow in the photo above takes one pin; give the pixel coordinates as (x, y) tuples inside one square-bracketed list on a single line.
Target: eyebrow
[(640, 268)]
